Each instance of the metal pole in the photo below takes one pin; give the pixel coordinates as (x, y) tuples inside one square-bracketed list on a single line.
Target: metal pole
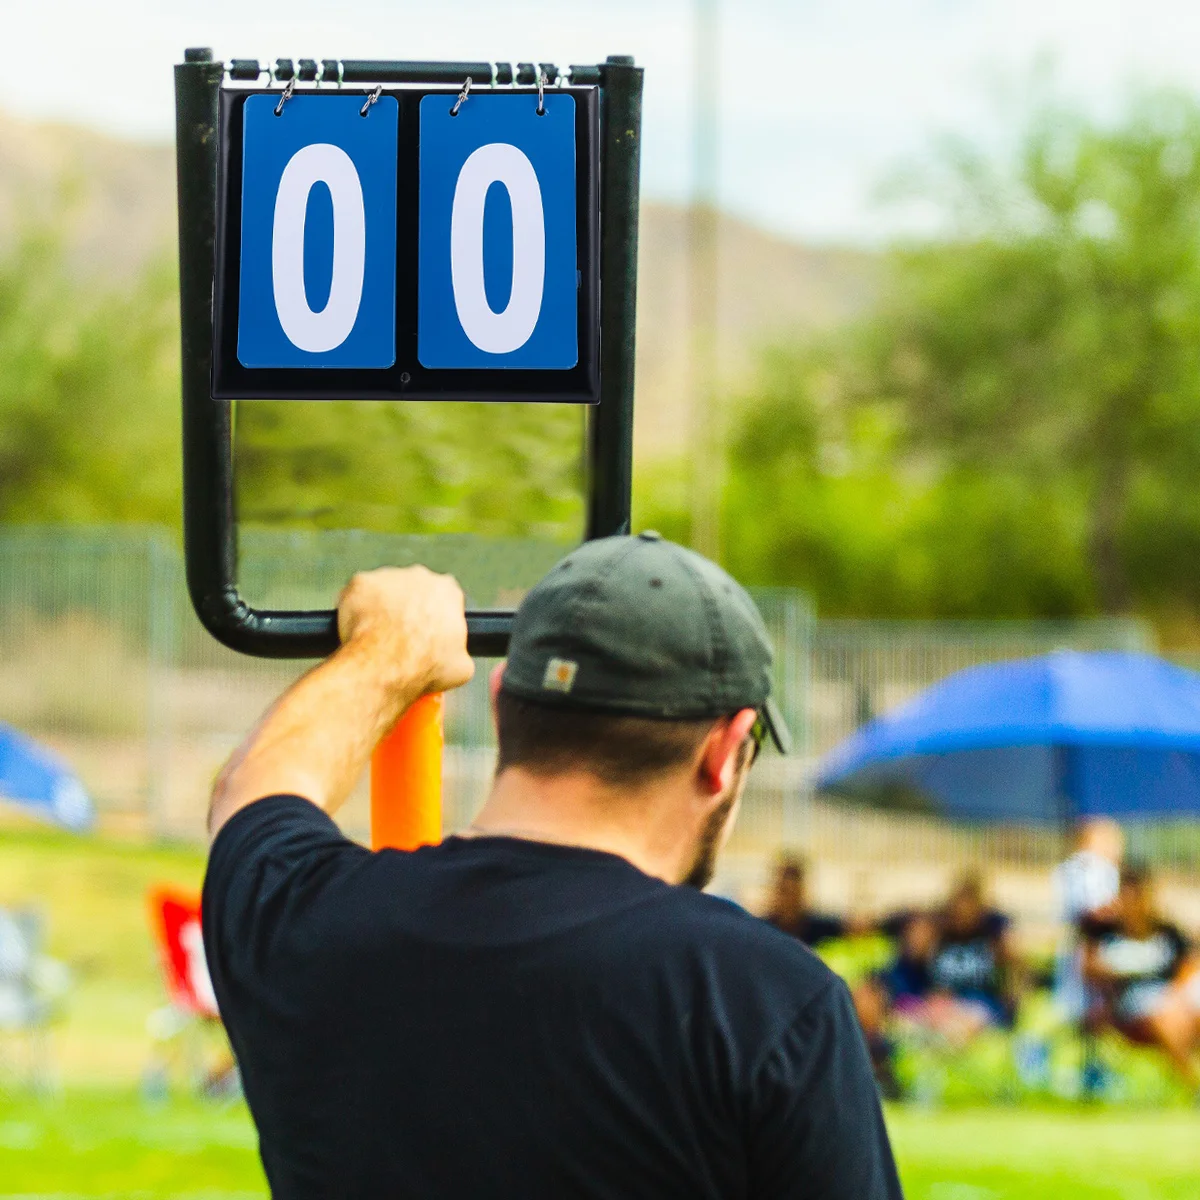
[(406, 779), (610, 428), (707, 441), (207, 468)]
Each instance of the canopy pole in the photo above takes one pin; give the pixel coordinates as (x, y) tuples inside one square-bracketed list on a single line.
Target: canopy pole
[(406, 779)]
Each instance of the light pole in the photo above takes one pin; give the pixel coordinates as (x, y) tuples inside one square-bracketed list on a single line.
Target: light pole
[(706, 440)]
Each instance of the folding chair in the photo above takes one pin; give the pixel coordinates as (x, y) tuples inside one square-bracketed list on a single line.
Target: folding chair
[(184, 1029), (33, 990)]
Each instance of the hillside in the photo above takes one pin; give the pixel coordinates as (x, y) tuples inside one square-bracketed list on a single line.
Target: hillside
[(117, 198), (770, 288)]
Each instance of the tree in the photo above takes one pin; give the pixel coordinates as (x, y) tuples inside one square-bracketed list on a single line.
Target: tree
[(1014, 429), (1056, 340), (89, 429)]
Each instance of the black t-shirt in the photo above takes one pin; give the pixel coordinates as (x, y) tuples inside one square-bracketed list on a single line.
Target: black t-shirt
[(1155, 958), (967, 962), (500, 1018), (811, 928), (906, 978)]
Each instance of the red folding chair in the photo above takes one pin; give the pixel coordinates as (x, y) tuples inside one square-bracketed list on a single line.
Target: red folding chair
[(183, 1029), (175, 919)]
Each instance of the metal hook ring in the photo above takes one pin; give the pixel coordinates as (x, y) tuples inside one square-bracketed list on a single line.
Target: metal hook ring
[(462, 96), (286, 96), (362, 112), (541, 108)]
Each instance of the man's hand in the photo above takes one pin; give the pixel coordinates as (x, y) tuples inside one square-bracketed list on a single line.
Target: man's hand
[(414, 620), (404, 634)]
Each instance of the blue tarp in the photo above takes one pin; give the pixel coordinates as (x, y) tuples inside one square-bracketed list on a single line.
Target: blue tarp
[(35, 779), (1051, 738)]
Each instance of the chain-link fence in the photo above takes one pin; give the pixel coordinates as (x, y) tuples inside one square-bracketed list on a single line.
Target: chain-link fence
[(102, 658)]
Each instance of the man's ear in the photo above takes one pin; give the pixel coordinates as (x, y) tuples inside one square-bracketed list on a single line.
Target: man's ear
[(718, 757)]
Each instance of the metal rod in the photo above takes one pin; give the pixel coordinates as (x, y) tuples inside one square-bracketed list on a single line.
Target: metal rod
[(207, 475), (585, 75), (245, 69), (362, 70), (610, 429)]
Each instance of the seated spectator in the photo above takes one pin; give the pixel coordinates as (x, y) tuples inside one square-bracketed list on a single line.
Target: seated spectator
[(790, 912), (1147, 975), (952, 974), (899, 990), (972, 969), (907, 981)]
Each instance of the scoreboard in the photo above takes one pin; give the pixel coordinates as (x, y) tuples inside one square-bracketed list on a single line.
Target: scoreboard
[(408, 244)]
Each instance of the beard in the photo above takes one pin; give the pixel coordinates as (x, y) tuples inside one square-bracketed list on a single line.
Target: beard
[(704, 865), (712, 836)]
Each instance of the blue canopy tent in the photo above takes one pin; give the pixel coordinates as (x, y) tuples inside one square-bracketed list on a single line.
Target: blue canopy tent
[(36, 780), (1041, 739)]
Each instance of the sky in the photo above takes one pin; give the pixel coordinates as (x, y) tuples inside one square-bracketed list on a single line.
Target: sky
[(819, 101)]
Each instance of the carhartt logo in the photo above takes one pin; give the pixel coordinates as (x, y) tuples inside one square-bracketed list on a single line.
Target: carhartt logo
[(560, 675)]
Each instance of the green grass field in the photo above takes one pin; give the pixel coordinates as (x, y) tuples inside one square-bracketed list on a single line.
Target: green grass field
[(98, 1137), (111, 1144)]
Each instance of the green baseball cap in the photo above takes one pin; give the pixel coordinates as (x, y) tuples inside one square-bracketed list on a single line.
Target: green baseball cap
[(643, 627)]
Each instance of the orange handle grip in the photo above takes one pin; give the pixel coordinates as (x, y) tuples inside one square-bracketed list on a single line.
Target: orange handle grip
[(406, 779)]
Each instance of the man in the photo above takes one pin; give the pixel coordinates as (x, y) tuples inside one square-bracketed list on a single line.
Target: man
[(1086, 882), (546, 1006), (900, 988), (973, 969), (791, 913)]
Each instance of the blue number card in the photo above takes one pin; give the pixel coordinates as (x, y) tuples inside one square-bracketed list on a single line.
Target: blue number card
[(498, 281), (318, 240)]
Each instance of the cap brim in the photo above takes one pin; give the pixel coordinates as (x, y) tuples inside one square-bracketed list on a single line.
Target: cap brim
[(776, 726)]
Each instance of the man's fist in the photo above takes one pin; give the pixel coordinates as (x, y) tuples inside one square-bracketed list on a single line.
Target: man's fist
[(414, 620)]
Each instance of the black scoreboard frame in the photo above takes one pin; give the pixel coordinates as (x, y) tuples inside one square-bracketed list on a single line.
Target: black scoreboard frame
[(209, 509)]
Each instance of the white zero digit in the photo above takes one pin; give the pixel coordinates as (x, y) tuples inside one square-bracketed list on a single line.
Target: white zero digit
[(329, 328), (498, 332)]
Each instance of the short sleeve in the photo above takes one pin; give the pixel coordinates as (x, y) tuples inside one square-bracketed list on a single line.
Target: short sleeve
[(816, 1124), (269, 866)]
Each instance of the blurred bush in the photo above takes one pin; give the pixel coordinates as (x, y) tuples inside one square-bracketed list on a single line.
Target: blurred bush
[(1015, 428), (89, 429)]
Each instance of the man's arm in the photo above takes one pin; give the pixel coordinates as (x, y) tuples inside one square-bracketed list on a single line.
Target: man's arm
[(404, 634)]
